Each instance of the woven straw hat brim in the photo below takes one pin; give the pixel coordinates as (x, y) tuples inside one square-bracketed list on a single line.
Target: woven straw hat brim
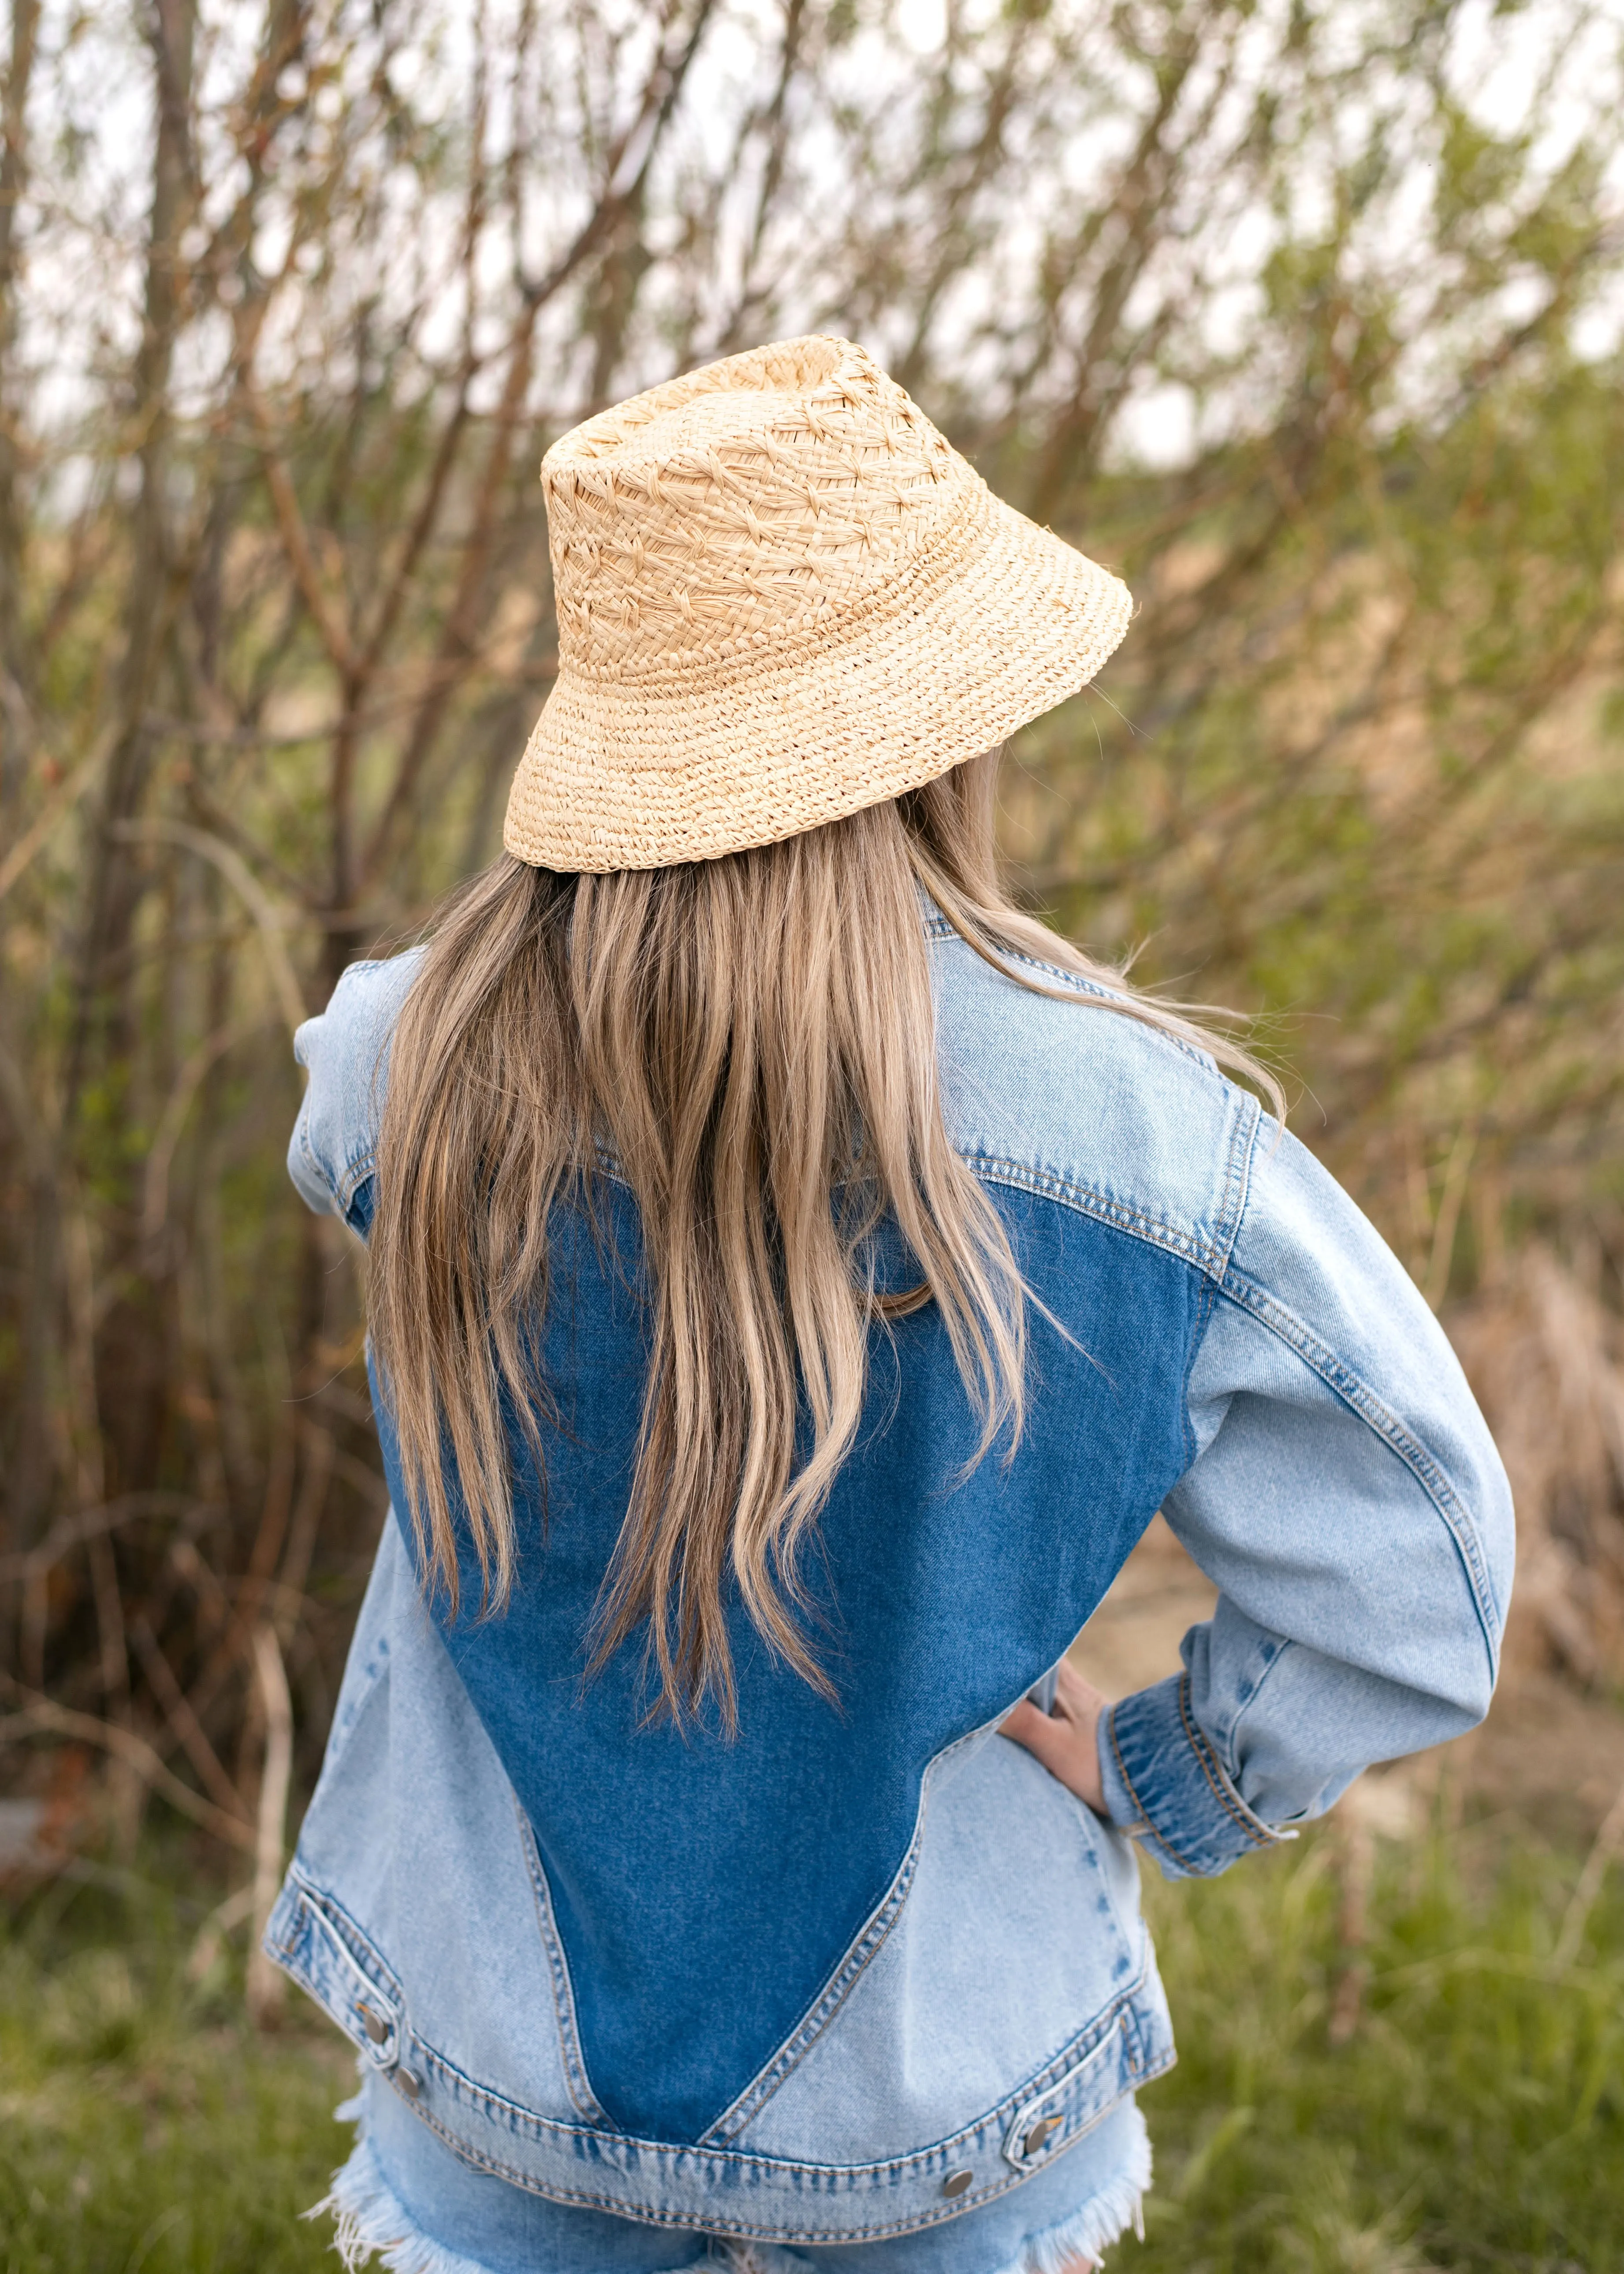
[(645, 770)]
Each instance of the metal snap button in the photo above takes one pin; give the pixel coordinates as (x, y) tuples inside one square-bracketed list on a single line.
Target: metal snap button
[(1039, 2134), (374, 2022), (410, 2085), (956, 2182)]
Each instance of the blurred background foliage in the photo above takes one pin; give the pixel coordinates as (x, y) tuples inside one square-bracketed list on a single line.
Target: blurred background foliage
[(1307, 317)]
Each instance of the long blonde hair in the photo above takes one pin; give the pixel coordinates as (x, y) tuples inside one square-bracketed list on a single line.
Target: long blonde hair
[(749, 1044)]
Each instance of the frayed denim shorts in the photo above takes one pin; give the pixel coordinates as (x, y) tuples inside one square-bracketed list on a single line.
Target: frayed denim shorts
[(406, 2199)]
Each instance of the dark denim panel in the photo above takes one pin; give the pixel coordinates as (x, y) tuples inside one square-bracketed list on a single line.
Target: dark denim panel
[(705, 1890)]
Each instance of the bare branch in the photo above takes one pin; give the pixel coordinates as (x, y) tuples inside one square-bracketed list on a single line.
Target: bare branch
[(325, 611), (271, 921), (265, 1982), (38, 1715)]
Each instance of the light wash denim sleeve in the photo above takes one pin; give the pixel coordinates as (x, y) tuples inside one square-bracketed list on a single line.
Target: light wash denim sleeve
[(345, 1050), (1349, 1503)]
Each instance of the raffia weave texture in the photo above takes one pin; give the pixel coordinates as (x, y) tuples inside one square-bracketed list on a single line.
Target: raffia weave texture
[(782, 596)]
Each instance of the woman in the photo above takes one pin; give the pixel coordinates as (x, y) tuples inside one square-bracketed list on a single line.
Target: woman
[(796, 1280)]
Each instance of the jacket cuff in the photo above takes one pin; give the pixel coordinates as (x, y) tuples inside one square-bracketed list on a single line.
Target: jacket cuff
[(1165, 1785)]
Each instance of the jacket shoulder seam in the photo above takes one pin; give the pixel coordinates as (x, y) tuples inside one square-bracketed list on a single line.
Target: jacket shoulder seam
[(1209, 1253), (1085, 990)]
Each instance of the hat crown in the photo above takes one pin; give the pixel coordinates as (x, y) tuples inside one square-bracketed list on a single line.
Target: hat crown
[(741, 506)]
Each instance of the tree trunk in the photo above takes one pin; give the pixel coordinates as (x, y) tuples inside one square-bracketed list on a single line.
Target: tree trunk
[(13, 181), (133, 1347)]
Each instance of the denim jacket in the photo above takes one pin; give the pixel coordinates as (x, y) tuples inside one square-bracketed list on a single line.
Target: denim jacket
[(866, 1965)]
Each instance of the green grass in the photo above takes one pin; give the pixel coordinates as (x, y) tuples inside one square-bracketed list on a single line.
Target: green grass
[(143, 2124), (1476, 2119)]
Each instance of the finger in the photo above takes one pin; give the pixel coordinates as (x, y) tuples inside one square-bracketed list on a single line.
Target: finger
[(1076, 1695), (1047, 1739)]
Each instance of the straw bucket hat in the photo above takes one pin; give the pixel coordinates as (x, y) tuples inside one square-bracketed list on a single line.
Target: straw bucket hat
[(782, 596)]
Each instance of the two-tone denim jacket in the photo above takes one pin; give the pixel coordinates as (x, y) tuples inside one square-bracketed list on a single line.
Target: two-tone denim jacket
[(866, 1966)]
